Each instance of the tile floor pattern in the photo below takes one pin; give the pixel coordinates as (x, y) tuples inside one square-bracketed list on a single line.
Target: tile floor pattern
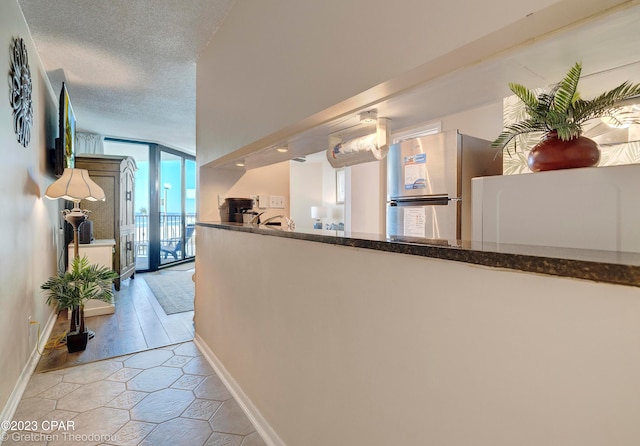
[(167, 396)]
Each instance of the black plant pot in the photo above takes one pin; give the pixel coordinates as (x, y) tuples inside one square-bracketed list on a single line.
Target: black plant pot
[(77, 342)]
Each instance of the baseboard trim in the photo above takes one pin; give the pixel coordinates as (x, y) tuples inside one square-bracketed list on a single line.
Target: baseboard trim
[(10, 407), (267, 433)]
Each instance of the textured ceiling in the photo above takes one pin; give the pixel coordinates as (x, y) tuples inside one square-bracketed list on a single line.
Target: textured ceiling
[(129, 65)]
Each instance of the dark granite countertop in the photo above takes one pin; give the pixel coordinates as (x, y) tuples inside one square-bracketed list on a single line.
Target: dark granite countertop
[(621, 268)]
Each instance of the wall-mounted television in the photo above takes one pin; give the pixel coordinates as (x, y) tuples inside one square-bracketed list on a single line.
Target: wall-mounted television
[(64, 152)]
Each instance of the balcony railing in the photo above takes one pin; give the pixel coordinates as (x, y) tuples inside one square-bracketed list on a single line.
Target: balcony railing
[(170, 230)]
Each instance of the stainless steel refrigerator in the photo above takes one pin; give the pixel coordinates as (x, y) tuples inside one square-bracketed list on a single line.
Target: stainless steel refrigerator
[(429, 185)]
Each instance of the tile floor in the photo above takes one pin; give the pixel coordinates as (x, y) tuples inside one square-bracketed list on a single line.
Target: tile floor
[(166, 396)]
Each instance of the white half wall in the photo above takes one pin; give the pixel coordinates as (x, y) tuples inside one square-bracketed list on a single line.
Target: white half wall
[(338, 345)]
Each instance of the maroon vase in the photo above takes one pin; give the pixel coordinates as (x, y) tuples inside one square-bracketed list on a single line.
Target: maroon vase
[(552, 153)]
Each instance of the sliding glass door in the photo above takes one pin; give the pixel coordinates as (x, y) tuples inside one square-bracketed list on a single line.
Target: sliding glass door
[(165, 200), (177, 183), (172, 218)]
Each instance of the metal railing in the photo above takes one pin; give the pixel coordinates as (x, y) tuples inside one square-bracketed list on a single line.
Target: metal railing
[(170, 232)]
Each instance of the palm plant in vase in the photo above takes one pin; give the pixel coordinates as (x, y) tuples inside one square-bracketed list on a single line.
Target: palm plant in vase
[(557, 116), (71, 289)]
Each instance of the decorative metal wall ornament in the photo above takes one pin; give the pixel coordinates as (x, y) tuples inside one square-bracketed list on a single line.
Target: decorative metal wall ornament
[(20, 91)]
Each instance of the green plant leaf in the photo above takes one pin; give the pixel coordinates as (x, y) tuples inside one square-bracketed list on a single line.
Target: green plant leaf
[(518, 128), (527, 96), (567, 88), (83, 281), (604, 103)]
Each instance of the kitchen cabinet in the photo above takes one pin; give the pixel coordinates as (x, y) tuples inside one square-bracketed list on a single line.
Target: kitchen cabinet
[(115, 217), (586, 208)]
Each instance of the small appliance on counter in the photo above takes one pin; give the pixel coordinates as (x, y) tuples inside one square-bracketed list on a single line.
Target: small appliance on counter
[(233, 210), (429, 184)]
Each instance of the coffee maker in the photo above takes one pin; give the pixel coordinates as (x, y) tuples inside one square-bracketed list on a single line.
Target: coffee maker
[(234, 209)]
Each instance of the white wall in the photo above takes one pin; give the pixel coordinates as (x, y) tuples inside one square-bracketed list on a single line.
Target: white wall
[(331, 351), (231, 183), (335, 210), (28, 227), (313, 183), (366, 199), (482, 122), (273, 64), (306, 187)]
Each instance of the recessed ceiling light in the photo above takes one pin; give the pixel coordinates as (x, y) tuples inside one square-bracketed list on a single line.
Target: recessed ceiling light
[(240, 163), (369, 117), (283, 149)]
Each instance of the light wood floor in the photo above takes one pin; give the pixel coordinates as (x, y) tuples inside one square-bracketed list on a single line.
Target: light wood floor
[(139, 323)]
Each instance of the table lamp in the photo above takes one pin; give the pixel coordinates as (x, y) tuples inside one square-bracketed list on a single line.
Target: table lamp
[(318, 212), (75, 185)]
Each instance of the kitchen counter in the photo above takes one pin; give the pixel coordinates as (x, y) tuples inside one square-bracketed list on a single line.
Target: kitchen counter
[(622, 268)]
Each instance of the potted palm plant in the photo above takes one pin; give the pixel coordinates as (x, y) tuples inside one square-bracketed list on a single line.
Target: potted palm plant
[(70, 290), (558, 116)]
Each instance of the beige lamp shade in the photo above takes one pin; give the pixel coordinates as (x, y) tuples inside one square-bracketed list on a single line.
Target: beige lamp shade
[(75, 185), (318, 212)]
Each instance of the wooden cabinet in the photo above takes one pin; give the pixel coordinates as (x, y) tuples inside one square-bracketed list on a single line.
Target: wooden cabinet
[(115, 217)]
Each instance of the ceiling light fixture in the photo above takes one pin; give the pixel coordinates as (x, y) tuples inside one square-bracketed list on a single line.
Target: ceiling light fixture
[(283, 149), (240, 163), (368, 117)]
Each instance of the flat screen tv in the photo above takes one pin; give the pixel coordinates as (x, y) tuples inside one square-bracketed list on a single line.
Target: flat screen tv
[(64, 152)]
